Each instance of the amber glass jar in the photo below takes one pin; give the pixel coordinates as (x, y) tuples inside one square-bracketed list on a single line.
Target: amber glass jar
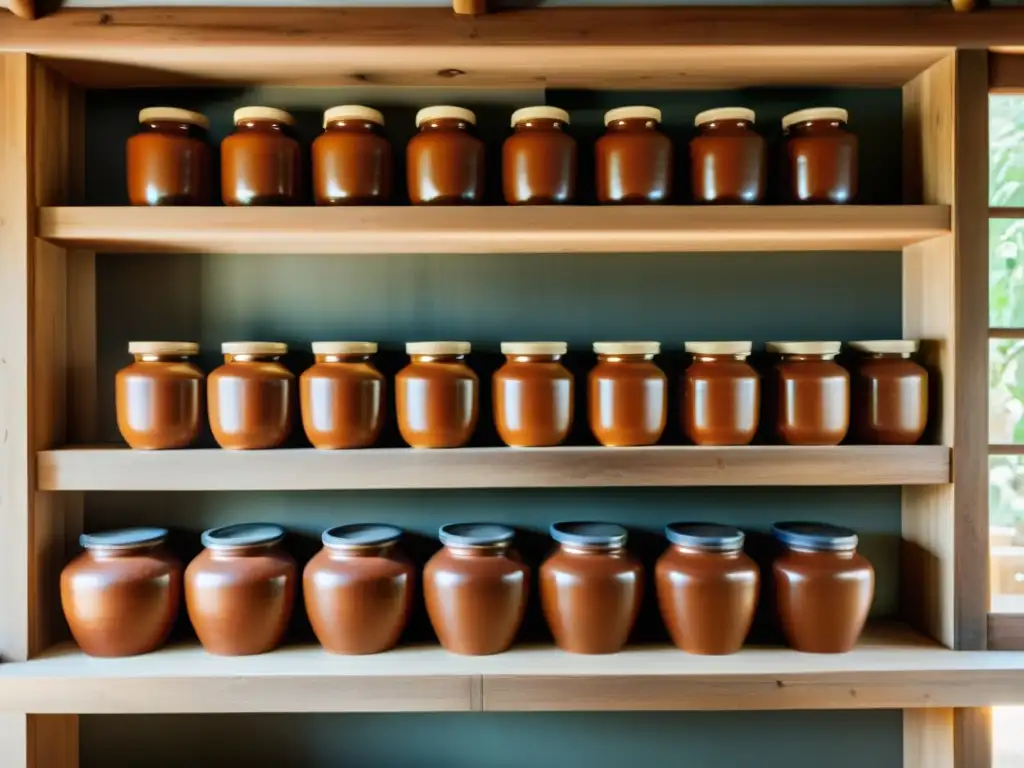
[(250, 396), (822, 156), (532, 394), (823, 586), (813, 393), (352, 162), (890, 393), (169, 160), (342, 395), (707, 588), (121, 596), (445, 161), (260, 163), (358, 589), (627, 394), (159, 396), (240, 589), (590, 587), (727, 157), (436, 395), (538, 161), (633, 159), (721, 394), (475, 589)]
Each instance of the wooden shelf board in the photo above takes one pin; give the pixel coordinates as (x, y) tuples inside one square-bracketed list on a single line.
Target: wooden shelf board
[(101, 468), (498, 229)]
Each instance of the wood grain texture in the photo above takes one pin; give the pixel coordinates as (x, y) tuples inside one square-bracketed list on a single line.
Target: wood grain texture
[(928, 738), (972, 738), (1006, 73), (1006, 632)]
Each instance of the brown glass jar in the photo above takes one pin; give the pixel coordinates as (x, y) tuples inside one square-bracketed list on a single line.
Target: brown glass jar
[(260, 163), (727, 157), (169, 161), (707, 588), (538, 161), (436, 395), (352, 162), (445, 161), (590, 588), (890, 393), (822, 156), (823, 587), (633, 159), (121, 596), (627, 394), (813, 393), (250, 396), (532, 393), (159, 396), (240, 589), (475, 589), (358, 589), (721, 394), (342, 396)]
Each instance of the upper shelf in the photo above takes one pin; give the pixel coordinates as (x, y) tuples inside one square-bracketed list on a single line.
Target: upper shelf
[(498, 229)]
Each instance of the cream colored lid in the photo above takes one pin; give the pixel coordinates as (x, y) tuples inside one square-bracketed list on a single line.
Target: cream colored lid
[(444, 112), (181, 348), (344, 347), (632, 113), (627, 347), (353, 112), (724, 113), (719, 347), (804, 347), (253, 348), (263, 113), (539, 113), (437, 348), (534, 347), (150, 114), (887, 346), (816, 113)]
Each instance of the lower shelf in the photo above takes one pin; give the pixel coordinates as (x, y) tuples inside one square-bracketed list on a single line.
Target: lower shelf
[(892, 667)]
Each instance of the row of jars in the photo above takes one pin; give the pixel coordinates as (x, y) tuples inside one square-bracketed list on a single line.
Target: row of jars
[(342, 396), (170, 162), (122, 595)]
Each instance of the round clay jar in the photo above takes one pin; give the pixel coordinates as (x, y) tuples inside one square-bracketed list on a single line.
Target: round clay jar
[(590, 588), (633, 159), (358, 589), (261, 162), (436, 395), (727, 158), (250, 396), (240, 589), (169, 160), (159, 397), (121, 595), (721, 397), (533, 394), (890, 393), (538, 160), (813, 393), (475, 589), (342, 396), (352, 159), (627, 394), (821, 154), (445, 160), (707, 588)]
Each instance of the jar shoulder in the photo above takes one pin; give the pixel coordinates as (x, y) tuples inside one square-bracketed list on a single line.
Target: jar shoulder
[(342, 372), (436, 371), (444, 564), (140, 567), (256, 370), (591, 565), (156, 370), (624, 371), (362, 568), (709, 567), (527, 371), (822, 565), (242, 569), (726, 369)]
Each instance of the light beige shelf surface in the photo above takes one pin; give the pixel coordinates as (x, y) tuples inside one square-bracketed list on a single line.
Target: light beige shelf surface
[(115, 468), (499, 229)]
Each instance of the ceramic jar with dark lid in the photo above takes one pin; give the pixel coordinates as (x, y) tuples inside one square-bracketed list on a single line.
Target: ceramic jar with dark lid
[(445, 160), (240, 589), (539, 159), (169, 160), (250, 396), (159, 397), (721, 394), (590, 587), (821, 155), (342, 395), (633, 159), (727, 157), (121, 595), (261, 163), (823, 586), (627, 394), (352, 159), (890, 393), (358, 589), (533, 394), (436, 395), (475, 588), (812, 393), (707, 588)]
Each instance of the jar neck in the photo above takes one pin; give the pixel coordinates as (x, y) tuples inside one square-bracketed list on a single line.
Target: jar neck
[(715, 126), (350, 124), (539, 124), (113, 553), (807, 358), (494, 550), (357, 358), (572, 549), (841, 554), (228, 553), (446, 124), (889, 355), (706, 358), (252, 358), (533, 358), (723, 553), (263, 126), (177, 127), (344, 553), (812, 126), (633, 124), (625, 358), (161, 358), (438, 358)]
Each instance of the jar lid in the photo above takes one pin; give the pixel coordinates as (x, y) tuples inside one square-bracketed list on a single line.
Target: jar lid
[(444, 112), (254, 348), (353, 112), (724, 113), (627, 347), (591, 535), (244, 114), (180, 348), (475, 534), (817, 537), (344, 347), (719, 347), (539, 113), (126, 538), (534, 347), (816, 113), (804, 347), (437, 348), (632, 113), (711, 537), (174, 115), (887, 347), (242, 535), (361, 535)]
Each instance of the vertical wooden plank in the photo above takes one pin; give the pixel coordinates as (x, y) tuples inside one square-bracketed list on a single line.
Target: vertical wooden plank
[(972, 738), (928, 738)]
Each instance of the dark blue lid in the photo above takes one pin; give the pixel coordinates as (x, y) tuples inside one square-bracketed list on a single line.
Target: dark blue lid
[(596, 535), (361, 535), (475, 534), (242, 535), (817, 537), (125, 538), (707, 536)]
